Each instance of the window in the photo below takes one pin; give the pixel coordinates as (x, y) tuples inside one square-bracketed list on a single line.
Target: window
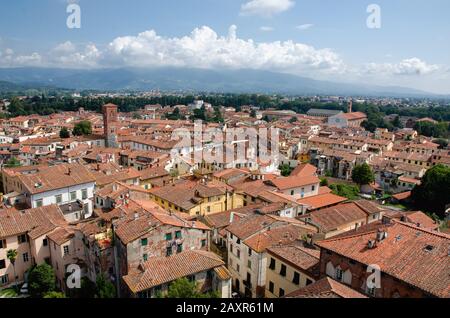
[(2, 263), (308, 282), (296, 279), (168, 251), (66, 250), (178, 234), (238, 268), (283, 270), (249, 264), (179, 248), (145, 257), (371, 291), (281, 293), (144, 242), (73, 195), (231, 248), (313, 188), (25, 257), (203, 243), (84, 194), (292, 192), (4, 280), (58, 198), (238, 241), (271, 287), (249, 252), (2, 243), (22, 238), (338, 274), (272, 264), (39, 203), (168, 236), (238, 253), (45, 242)]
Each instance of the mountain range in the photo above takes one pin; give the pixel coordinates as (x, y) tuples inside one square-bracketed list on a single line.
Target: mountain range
[(196, 80)]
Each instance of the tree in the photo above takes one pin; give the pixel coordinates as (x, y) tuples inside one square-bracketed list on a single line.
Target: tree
[(218, 118), (136, 116), (443, 143), (347, 191), (105, 289), (41, 280), (54, 294), (183, 288), (397, 123), (293, 120), (64, 133), (363, 174), (12, 163), (12, 255), (285, 170), (82, 128), (253, 113), (175, 115), (431, 195), (323, 182)]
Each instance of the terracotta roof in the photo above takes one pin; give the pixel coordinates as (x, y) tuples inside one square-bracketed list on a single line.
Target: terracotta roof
[(402, 196), (293, 182), (188, 194), (61, 235), (37, 221), (354, 116), (321, 200), (297, 255), (304, 170), (56, 177), (221, 219), (154, 172), (330, 219), (139, 221), (409, 253), (160, 270), (326, 288), (283, 234)]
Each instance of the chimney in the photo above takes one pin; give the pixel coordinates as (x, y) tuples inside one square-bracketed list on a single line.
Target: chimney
[(136, 215), (349, 106), (371, 244), (69, 172), (381, 235)]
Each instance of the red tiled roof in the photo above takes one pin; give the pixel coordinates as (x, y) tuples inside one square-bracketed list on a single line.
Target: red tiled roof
[(160, 270), (409, 253), (293, 182), (321, 200), (326, 288)]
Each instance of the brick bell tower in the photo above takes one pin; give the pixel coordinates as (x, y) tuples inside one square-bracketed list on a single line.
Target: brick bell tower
[(110, 121)]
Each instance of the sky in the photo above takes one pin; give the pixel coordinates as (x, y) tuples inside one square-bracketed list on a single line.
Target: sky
[(407, 44)]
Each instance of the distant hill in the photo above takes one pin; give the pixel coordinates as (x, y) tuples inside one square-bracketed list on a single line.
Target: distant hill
[(199, 80)]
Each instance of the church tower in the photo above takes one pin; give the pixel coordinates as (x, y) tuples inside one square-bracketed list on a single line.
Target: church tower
[(110, 120)]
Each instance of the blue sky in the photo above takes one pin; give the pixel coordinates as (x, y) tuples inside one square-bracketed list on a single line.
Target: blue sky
[(323, 39)]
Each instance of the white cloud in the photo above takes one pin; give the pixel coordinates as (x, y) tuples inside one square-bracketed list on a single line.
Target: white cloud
[(304, 26), (204, 48), (10, 59), (266, 8), (412, 66), (266, 29)]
